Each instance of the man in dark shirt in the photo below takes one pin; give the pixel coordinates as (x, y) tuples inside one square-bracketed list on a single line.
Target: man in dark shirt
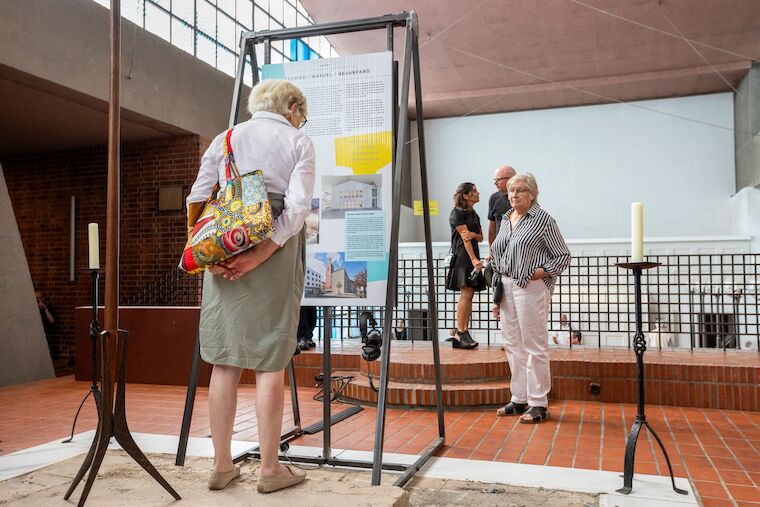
[(498, 204)]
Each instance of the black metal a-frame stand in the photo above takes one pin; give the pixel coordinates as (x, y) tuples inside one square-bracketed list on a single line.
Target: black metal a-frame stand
[(408, 21)]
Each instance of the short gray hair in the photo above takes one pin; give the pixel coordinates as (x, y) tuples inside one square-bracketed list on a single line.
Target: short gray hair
[(528, 180), (276, 96)]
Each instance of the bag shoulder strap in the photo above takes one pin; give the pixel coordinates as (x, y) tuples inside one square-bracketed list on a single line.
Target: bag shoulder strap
[(230, 167)]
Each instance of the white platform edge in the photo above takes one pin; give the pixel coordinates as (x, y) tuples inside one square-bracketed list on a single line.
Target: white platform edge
[(648, 490)]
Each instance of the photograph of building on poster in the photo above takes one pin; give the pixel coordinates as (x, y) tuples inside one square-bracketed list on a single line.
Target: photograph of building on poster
[(312, 224), (350, 193), (329, 275)]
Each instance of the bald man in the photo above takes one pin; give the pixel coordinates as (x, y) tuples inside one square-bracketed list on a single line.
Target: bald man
[(498, 204)]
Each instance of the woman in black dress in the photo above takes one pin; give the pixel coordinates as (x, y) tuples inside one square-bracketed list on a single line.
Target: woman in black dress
[(465, 235)]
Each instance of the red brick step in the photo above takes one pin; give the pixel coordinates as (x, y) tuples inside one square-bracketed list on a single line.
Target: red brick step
[(423, 394)]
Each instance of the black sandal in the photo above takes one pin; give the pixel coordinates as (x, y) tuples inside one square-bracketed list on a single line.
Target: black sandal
[(462, 342), (512, 408), (468, 339), (536, 414)]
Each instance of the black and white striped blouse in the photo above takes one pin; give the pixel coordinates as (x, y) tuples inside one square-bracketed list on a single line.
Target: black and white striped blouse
[(534, 243)]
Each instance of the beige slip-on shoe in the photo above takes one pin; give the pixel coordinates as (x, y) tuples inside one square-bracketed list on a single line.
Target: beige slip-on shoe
[(270, 484), (219, 480)]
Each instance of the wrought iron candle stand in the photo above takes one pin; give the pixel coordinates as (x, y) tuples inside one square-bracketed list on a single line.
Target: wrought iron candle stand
[(94, 333), (639, 347)]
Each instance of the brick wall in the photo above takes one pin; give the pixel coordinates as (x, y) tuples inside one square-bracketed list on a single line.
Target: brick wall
[(41, 186)]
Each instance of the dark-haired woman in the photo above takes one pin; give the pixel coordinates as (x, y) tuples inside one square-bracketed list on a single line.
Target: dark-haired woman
[(465, 235)]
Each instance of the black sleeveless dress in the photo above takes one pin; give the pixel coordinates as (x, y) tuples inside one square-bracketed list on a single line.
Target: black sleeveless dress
[(459, 270)]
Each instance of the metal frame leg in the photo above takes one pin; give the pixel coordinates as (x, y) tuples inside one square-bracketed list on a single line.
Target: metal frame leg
[(187, 417), (326, 374), (432, 300), (294, 397)]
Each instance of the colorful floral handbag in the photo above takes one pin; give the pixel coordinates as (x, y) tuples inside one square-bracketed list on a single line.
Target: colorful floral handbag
[(232, 224)]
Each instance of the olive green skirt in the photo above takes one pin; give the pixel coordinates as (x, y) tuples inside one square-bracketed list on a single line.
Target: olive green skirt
[(252, 322)]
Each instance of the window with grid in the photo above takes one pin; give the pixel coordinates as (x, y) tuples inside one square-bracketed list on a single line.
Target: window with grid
[(210, 29)]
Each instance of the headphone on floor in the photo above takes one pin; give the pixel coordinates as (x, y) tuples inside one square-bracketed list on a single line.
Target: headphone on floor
[(372, 338)]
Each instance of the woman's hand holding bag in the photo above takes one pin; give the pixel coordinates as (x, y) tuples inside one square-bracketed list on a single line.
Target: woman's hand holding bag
[(236, 267)]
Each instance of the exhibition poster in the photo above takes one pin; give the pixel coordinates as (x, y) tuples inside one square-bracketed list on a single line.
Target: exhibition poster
[(350, 122)]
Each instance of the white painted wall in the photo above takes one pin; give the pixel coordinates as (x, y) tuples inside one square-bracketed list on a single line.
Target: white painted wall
[(745, 215), (591, 162)]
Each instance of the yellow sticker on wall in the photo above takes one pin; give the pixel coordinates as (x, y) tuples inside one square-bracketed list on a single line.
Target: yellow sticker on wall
[(364, 153), (433, 206)]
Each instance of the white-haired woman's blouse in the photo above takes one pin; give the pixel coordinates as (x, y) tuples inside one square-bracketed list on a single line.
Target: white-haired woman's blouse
[(283, 153)]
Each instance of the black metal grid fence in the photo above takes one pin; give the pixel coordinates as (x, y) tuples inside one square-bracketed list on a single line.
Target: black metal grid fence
[(690, 301)]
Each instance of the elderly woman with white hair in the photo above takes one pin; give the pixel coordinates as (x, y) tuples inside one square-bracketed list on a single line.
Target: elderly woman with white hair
[(250, 304), (529, 254)]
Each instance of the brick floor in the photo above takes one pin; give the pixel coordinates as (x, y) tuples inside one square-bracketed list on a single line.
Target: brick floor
[(719, 450)]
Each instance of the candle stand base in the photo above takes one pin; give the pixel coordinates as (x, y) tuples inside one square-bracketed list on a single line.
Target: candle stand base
[(113, 423), (630, 452)]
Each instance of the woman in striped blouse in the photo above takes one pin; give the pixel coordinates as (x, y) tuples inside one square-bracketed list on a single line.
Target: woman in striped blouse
[(529, 254)]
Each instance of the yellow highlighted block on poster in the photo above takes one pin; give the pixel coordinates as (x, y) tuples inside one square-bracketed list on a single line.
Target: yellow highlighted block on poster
[(364, 153), (433, 206)]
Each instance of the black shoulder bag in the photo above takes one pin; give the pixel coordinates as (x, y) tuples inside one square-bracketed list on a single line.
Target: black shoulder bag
[(497, 287)]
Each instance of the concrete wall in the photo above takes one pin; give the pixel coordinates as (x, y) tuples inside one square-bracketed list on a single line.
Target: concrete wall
[(68, 43), (591, 162), (24, 355), (747, 122)]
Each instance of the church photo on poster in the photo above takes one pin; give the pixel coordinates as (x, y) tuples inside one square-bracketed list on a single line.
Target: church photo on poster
[(329, 275)]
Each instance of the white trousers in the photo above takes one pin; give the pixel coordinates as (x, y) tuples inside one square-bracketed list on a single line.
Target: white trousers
[(524, 315)]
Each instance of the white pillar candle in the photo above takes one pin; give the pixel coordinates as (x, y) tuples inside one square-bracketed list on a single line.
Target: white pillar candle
[(94, 244), (637, 232)]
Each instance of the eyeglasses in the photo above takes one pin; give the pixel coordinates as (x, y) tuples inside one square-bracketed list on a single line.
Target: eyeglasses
[(518, 191), (303, 120), (499, 179)]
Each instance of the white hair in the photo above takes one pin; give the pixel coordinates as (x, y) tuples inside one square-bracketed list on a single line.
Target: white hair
[(528, 180), (276, 96)]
